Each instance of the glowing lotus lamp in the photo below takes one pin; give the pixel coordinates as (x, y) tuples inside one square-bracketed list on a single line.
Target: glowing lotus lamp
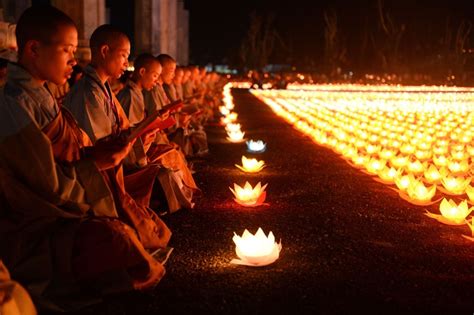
[(432, 175), (256, 146), (418, 194), (399, 161), (388, 175), (232, 116), (249, 197), (374, 166), (226, 120), (403, 182), (440, 160), (471, 227), (232, 127), (451, 213), (458, 167), (224, 110), (416, 167), (470, 192), (235, 136), (256, 250), (455, 185), (251, 165)]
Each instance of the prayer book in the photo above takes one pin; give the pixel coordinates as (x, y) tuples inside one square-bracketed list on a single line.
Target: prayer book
[(153, 121)]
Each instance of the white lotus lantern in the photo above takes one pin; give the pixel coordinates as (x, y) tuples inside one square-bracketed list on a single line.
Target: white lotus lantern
[(256, 146), (232, 127), (224, 110), (256, 250), (249, 196), (235, 136)]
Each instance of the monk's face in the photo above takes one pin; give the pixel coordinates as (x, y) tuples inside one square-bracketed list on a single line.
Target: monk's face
[(54, 60), (186, 75), (149, 75), (178, 76), (168, 72), (115, 57)]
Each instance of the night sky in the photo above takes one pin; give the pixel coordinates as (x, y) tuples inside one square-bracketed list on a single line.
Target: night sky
[(218, 27)]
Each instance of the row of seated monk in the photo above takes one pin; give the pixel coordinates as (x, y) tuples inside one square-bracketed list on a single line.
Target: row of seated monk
[(83, 204)]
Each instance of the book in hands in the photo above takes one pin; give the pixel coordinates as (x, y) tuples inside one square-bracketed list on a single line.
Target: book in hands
[(171, 107), (153, 121), (149, 125)]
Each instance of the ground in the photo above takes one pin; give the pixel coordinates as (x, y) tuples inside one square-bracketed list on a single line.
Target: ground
[(350, 244)]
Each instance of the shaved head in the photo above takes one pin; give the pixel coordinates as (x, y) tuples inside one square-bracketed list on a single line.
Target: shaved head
[(106, 35), (40, 23), (144, 61), (165, 59)]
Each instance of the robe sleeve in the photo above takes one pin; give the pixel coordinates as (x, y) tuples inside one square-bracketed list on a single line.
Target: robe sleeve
[(26, 155), (132, 109)]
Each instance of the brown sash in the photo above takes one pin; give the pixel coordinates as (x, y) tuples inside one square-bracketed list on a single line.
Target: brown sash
[(67, 139)]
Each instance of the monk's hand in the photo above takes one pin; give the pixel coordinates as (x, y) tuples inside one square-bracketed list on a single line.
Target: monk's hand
[(148, 137), (108, 154), (165, 115), (184, 119)]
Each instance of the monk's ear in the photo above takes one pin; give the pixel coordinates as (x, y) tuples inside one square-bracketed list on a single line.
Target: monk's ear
[(32, 48), (141, 71), (104, 50)]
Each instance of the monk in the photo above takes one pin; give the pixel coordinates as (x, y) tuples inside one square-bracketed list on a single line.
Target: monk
[(144, 78), (62, 227)]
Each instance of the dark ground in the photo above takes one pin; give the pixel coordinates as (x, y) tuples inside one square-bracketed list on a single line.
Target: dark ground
[(350, 244)]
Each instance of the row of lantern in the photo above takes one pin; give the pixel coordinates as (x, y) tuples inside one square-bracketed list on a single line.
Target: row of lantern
[(418, 140), (252, 249)]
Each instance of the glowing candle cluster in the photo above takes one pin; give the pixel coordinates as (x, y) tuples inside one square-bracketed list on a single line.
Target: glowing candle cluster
[(419, 139)]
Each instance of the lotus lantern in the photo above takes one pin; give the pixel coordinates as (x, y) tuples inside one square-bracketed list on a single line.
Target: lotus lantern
[(471, 227), (249, 196), (399, 161), (388, 175), (451, 213), (403, 182), (418, 194), (235, 136), (470, 192), (232, 127), (432, 175), (455, 185), (256, 146), (251, 165), (440, 160), (374, 166), (458, 167), (224, 110), (416, 167), (256, 250)]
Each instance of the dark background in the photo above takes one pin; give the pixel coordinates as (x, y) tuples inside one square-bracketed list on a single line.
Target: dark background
[(217, 28)]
